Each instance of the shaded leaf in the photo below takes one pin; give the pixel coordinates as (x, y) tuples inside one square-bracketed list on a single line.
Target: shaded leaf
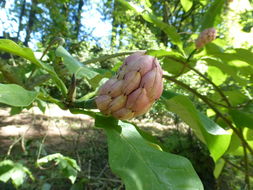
[(235, 97), (15, 95), (213, 16), (241, 118)]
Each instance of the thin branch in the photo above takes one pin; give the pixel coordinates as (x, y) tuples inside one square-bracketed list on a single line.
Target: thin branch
[(206, 100), (105, 57), (211, 82), (203, 76), (246, 166), (235, 166)]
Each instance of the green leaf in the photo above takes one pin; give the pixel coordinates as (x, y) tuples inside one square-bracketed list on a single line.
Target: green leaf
[(186, 4), (241, 118), (173, 62), (235, 147), (237, 57), (215, 137), (235, 97), (145, 167), (74, 66), (174, 66), (164, 53), (217, 76), (13, 48), (213, 14), (15, 172), (248, 134), (67, 166), (227, 69), (219, 165), (15, 95)]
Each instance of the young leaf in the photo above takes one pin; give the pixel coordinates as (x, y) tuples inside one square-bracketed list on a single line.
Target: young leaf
[(15, 95), (141, 166), (74, 66)]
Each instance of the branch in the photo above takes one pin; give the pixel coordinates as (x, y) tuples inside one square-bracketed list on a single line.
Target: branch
[(185, 64)]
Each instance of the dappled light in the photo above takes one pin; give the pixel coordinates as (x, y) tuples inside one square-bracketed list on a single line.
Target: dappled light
[(126, 95)]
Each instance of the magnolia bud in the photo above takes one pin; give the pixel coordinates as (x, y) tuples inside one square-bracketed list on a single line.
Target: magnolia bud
[(205, 37), (134, 89)]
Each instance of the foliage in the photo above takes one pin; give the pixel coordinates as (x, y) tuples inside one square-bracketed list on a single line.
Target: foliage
[(67, 166), (15, 172), (215, 85)]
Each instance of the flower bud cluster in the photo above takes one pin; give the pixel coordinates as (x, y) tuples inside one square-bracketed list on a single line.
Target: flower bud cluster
[(133, 90), (205, 37)]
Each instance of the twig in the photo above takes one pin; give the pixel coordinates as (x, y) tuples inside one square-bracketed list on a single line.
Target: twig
[(185, 64), (237, 167), (89, 169), (206, 100), (54, 41), (16, 141), (102, 171), (211, 82), (246, 166), (105, 57), (106, 179), (12, 145)]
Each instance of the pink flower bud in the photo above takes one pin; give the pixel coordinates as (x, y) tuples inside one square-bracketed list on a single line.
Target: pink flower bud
[(134, 89), (205, 37)]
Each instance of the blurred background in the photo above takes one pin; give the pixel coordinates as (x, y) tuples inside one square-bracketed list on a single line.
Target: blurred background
[(92, 28)]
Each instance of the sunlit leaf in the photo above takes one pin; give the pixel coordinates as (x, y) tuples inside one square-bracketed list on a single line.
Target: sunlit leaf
[(215, 137), (11, 47), (74, 66), (186, 4), (219, 165), (143, 163), (67, 166), (217, 76), (15, 172)]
